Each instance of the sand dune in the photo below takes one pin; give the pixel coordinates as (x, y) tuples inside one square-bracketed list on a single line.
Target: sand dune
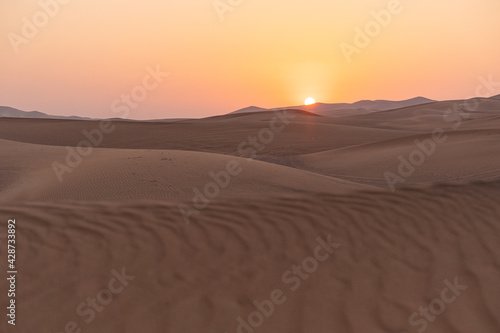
[(341, 109), (463, 156), (422, 259), (429, 116), (9, 112), (305, 133), (396, 251), (131, 174)]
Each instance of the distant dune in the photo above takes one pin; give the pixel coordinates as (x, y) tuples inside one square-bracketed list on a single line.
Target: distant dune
[(249, 109), (8, 112), (343, 109)]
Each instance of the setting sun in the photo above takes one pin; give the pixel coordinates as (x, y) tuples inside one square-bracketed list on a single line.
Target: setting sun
[(309, 101)]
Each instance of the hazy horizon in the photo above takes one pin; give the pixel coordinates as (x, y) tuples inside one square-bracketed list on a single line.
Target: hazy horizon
[(241, 108), (79, 58)]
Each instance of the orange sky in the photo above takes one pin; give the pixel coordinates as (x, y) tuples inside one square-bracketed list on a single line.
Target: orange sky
[(87, 54)]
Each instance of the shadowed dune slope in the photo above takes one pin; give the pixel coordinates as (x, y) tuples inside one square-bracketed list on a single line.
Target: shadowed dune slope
[(462, 156)]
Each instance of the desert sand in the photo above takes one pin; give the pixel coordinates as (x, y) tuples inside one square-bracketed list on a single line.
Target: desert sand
[(307, 235)]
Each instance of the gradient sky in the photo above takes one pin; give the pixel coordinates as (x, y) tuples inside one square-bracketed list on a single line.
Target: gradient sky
[(265, 53)]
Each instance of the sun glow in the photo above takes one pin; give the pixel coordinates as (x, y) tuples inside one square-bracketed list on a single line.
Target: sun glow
[(309, 101)]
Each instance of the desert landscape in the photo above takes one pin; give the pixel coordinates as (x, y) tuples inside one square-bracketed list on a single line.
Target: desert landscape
[(230, 166), (299, 231)]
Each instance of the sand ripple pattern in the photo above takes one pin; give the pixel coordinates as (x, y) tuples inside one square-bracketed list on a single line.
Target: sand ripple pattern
[(396, 250)]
